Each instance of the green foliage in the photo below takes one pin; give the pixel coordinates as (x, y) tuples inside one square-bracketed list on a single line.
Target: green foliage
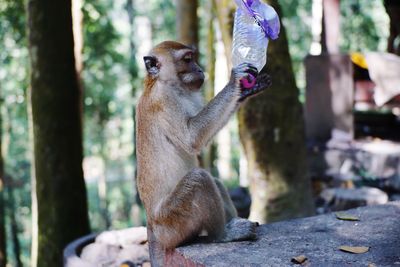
[(13, 87), (100, 58), (364, 26), (107, 98), (109, 83), (297, 18), (163, 19)]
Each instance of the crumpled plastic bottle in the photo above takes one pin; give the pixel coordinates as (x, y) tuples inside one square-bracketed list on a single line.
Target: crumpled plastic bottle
[(255, 23)]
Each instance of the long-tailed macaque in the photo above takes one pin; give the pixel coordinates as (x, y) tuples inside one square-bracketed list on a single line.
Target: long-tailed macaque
[(182, 201)]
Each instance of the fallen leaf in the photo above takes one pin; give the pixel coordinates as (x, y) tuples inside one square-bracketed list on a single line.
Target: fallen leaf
[(355, 250), (371, 264), (346, 217), (299, 259)]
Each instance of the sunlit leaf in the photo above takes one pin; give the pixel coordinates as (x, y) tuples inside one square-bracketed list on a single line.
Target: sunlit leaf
[(346, 217), (355, 250), (299, 259)]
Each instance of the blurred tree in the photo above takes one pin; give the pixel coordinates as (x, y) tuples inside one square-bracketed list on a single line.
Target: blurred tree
[(14, 81), (100, 78), (187, 22), (296, 17), (225, 14), (330, 26), (359, 27), (3, 247), (210, 153), (272, 133), (16, 245), (134, 74), (11, 187), (163, 22), (60, 188), (393, 10)]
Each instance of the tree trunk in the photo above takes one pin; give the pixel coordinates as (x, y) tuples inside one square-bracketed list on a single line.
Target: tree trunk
[(225, 14), (393, 10), (210, 152), (186, 22), (16, 246), (330, 26), (3, 247), (272, 132), (56, 100), (102, 187)]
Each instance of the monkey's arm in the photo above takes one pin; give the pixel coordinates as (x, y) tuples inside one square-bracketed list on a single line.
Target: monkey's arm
[(193, 133), (217, 113), (204, 126)]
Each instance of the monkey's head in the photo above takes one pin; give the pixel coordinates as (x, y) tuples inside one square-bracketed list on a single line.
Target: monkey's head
[(174, 62)]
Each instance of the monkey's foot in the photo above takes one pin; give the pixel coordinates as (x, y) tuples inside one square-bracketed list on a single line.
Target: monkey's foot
[(239, 229)]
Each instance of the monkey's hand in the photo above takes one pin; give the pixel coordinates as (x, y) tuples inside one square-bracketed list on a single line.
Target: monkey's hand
[(241, 72), (263, 82)]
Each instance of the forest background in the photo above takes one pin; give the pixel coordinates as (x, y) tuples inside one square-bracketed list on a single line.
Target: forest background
[(116, 34)]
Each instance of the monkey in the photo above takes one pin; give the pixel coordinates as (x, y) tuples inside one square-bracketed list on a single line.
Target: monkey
[(182, 201)]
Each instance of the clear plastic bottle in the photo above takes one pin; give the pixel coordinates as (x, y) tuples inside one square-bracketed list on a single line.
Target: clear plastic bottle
[(255, 23)]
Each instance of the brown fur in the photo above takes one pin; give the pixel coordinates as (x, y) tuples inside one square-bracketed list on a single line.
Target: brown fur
[(181, 200)]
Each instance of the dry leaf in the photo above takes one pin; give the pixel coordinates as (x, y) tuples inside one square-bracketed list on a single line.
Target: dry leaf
[(355, 250), (299, 259), (346, 217), (371, 264)]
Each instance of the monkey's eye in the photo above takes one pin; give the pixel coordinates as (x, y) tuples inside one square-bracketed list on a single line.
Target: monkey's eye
[(188, 57)]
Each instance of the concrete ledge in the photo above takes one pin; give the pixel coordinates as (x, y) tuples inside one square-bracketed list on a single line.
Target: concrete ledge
[(318, 238)]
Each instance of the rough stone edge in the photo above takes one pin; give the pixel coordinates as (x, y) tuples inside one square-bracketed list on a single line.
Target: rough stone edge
[(175, 258), (75, 247)]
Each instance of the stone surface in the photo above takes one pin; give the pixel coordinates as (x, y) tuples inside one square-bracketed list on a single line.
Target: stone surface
[(318, 238), (100, 254), (111, 249), (124, 237)]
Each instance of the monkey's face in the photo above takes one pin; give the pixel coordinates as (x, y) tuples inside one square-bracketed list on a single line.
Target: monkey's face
[(176, 63), (188, 71)]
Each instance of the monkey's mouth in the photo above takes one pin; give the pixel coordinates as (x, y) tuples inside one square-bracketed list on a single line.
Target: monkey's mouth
[(193, 81)]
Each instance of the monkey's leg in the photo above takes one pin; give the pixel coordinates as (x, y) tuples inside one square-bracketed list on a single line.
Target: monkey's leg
[(193, 206), (236, 229), (230, 210), (157, 253)]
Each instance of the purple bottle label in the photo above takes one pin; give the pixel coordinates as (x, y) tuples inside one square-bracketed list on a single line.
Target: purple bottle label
[(270, 28)]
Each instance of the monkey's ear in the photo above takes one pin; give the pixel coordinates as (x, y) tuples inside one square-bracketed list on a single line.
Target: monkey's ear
[(152, 65)]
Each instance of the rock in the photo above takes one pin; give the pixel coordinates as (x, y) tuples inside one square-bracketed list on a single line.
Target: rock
[(395, 197), (241, 200), (394, 181), (373, 162), (318, 238), (345, 198), (100, 254), (108, 237), (113, 248), (130, 236), (124, 237), (137, 254), (78, 262)]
